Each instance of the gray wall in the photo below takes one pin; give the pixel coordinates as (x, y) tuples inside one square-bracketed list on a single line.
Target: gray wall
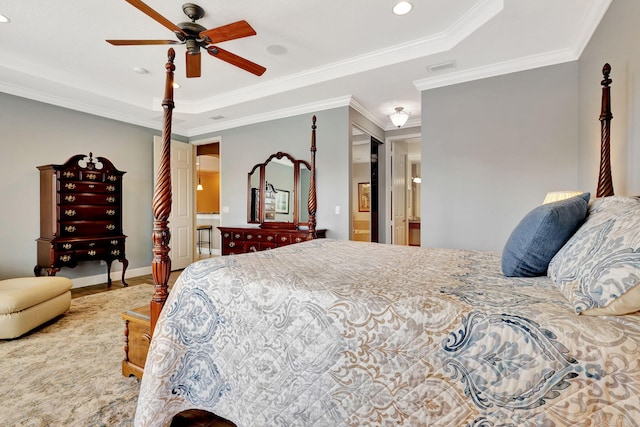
[(615, 41), (35, 134), (492, 149), (241, 148)]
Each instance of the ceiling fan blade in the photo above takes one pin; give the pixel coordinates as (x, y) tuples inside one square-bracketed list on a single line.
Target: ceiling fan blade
[(193, 64), (140, 42), (232, 31), (142, 7), (236, 60)]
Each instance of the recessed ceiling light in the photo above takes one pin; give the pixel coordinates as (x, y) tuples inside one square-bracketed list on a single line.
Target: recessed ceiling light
[(402, 8), (4, 19), (140, 70), (276, 49)]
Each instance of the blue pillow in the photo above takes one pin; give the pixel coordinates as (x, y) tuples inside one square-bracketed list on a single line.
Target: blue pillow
[(541, 234)]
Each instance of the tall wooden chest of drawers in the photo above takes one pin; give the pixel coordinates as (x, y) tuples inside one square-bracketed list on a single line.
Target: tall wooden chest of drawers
[(80, 215)]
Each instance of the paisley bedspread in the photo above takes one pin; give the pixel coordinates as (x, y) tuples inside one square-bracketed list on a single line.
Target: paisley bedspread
[(340, 333)]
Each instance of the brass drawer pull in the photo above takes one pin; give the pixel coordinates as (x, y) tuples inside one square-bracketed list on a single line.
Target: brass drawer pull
[(269, 238), (70, 198), (92, 176), (67, 246), (111, 227), (70, 228), (114, 242), (70, 186), (65, 258), (92, 253), (112, 178), (70, 212), (111, 212), (111, 199), (111, 188), (115, 252), (232, 244), (249, 236), (68, 174)]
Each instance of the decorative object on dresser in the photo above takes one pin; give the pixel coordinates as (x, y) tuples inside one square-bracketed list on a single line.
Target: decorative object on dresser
[(281, 198), (80, 215)]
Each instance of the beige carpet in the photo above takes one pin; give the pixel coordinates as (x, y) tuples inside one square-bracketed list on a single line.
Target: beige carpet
[(68, 372)]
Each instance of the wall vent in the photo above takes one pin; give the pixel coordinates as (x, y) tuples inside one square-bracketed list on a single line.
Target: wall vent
[(442, 66)]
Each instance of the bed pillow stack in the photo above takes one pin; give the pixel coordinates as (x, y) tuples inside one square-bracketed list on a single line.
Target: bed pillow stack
[(598, 270), (541, 234)]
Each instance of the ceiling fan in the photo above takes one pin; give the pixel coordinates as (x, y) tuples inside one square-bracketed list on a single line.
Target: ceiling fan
[(195, 36)]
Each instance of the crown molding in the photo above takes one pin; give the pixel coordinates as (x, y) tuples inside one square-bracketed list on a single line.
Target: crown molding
[(498, 69), (272, 115), (476, 17), (572, 53)]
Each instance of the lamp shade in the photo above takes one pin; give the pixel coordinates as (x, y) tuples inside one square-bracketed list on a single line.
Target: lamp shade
[(400, 117), (555, 196)]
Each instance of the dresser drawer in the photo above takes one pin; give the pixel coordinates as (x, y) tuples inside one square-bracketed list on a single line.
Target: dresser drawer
[(88, 212), (88, 228), (87, 187), (87, 244), (88, 199)]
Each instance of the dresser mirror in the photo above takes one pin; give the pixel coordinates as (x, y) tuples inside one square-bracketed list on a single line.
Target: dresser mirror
[(278, 192)]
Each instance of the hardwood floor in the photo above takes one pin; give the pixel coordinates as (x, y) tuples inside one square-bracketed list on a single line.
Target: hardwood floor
[(190, 418)]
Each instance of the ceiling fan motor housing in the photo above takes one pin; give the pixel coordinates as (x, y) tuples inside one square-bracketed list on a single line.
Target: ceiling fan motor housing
[(193, 11)]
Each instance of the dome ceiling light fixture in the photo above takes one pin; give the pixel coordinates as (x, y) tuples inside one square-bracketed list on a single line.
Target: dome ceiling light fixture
[(402, 8), (400, 117)]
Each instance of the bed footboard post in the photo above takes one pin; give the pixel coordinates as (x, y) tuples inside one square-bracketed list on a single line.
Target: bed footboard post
[(312, 202), (161, 264), (605, 182)]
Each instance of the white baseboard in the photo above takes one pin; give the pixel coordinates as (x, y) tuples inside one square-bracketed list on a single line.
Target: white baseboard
[(80, 282)]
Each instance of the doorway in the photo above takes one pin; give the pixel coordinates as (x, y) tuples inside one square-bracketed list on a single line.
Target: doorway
[(207, 206), (364, 186), (404, 191)]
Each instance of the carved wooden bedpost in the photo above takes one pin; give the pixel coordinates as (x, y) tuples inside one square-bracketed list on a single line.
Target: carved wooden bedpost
[(605, 182), (312, 202), (161, 264)]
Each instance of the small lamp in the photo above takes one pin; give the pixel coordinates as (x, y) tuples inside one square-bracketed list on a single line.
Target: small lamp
[(199, 187), (399, 118), (555, 196)]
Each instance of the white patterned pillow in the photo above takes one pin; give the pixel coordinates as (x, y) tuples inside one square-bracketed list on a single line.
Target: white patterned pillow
[(598, 269)]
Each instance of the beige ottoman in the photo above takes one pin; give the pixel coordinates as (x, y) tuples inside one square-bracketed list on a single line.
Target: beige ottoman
[(31, 301)]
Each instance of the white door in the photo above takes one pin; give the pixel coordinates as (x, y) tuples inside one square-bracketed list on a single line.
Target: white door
[(399, 194), (181, 219)]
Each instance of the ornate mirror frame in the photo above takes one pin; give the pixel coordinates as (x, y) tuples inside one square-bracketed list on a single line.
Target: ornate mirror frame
[(269, 201)]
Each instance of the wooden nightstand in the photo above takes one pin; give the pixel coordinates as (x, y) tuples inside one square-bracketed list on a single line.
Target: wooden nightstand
[(136, 341)]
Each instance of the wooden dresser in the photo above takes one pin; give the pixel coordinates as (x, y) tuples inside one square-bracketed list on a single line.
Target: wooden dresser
[(80, 215), (240, 240)]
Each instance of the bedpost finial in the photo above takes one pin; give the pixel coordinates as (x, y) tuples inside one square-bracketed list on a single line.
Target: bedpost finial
[(171, 54), (606, 70)]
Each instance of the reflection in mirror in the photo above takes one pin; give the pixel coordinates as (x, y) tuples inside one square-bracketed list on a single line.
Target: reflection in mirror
[(254, 197), (278, 192), (279, 179)]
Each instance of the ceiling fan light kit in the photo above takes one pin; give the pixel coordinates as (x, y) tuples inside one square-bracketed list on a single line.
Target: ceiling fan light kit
[(194, 36)]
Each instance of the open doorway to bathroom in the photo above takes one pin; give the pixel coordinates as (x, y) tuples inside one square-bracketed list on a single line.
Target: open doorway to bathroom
[(404, 190), (207, 237)]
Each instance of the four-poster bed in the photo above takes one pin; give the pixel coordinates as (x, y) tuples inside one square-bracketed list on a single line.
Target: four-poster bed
[(333, 333)]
